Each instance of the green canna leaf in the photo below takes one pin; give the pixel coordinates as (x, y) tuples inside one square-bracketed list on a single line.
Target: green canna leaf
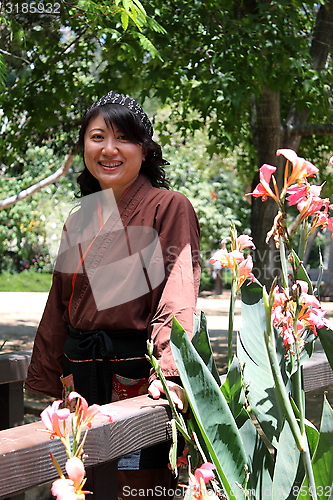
[(233, 389), (326, 338), (322, 461), (258, 377), (213, 416), (203, 347), (286, 465)]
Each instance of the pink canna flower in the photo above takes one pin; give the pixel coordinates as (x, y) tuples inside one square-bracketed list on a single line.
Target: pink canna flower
[(286, 312), (301, 168), (289, 155), (288, 336), (227, 259), (297, 193), (75, 470), (197, 482), (245, 241), (313, 319), (63, 489), (263, 189), (86, 413), (314, 205), (71, 488), (52, 416), (205, 472), (106, 411), (330, 162)]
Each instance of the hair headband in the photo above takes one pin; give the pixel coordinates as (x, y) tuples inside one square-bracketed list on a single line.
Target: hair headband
[(129, 103)]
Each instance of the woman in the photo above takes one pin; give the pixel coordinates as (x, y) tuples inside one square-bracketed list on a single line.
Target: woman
[(128, 262)]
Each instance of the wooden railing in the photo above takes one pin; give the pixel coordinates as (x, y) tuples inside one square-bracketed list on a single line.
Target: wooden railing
[(24, 450), (138, 422)]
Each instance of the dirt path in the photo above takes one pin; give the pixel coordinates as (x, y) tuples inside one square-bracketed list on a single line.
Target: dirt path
[(21, 313)]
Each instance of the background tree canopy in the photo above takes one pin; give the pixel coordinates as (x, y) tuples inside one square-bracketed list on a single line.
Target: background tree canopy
[(256, 74)]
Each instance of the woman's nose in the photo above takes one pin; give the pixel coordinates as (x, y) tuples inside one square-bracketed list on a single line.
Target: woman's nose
[(110, 147)]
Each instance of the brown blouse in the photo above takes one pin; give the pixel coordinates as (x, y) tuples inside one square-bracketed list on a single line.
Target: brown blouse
[(133, 272)]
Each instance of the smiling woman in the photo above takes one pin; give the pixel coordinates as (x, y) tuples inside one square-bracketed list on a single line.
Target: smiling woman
[(129, 261)]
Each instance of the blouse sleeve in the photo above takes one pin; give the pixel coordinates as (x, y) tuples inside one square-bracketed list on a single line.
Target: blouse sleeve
[(45, 368), (179, 236)]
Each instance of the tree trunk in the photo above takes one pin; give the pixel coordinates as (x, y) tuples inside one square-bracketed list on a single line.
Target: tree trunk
[(267, 137)]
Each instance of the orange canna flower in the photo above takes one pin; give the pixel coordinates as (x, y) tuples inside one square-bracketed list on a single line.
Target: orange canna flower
[(301, 168), (245, 271)]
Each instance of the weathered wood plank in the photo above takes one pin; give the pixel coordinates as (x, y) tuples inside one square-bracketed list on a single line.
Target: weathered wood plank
[(317, 372), (14, 366), (24, 451)]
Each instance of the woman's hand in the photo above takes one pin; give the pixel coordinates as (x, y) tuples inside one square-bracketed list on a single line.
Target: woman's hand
[(177, 393)]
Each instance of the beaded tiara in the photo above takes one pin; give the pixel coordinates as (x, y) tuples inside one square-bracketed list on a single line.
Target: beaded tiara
[(129, 102)]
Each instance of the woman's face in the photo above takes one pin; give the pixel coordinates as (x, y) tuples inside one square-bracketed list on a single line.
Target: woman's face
[(110, 157)]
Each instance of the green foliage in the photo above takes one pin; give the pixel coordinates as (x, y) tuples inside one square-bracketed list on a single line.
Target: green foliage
[(58, 63), (218, 58), (23, 240), (212, 185)]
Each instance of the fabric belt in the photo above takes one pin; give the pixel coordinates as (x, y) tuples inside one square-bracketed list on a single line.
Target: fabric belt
[(96, 346)]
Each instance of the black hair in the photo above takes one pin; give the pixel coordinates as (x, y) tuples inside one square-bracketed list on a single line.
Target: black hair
[(134, 130)]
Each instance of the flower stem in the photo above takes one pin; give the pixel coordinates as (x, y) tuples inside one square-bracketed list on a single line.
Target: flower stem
[(180, 423), (283, 259), (304, 229), (299, 436), (231, 319)]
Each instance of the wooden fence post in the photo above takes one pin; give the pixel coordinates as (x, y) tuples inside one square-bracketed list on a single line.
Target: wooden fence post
[(102, 478)]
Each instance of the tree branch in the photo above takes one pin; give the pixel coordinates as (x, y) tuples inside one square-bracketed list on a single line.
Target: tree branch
[(301, 129), (8, 202), (16, 57)]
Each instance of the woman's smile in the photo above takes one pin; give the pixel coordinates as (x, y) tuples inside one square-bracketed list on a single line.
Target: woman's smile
[(111, 165)]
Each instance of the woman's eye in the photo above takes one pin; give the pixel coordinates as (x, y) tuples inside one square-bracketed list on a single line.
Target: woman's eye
[(122, 137)]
